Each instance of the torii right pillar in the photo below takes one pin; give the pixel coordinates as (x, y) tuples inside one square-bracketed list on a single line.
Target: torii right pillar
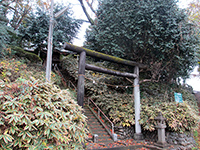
[(138, 134)]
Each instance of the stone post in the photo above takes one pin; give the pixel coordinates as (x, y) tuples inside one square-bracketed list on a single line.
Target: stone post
[(95, 138), (161, 130)]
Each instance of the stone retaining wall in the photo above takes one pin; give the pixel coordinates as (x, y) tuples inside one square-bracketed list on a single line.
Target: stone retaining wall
[(186, 142), (125, 132), (180, 141)]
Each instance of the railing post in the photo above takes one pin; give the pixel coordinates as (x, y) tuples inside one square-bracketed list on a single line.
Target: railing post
[(112, 128)]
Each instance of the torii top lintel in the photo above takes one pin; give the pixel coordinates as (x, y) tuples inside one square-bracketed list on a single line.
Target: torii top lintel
[(107, 57)]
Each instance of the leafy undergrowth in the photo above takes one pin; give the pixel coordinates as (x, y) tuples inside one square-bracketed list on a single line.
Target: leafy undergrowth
[(120, 107), (12, 70), (37, 115), (118, 104)]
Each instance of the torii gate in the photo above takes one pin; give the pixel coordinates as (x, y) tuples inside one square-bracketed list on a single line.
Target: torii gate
[(81, 73)]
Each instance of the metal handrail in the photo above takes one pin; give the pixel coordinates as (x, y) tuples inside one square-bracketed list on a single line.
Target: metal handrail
[(100, 111)]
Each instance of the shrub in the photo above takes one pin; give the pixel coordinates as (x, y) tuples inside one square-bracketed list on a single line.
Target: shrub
[(12, 70), (27, 55), (180, 117), (39, 116)]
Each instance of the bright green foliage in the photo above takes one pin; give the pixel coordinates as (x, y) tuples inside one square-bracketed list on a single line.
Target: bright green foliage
[(155, 97), (34, 30), (153, 32)]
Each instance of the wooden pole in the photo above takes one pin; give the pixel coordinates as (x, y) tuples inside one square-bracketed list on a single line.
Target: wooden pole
[(109, 71), (138, 135), (103, 56), (81, 79)]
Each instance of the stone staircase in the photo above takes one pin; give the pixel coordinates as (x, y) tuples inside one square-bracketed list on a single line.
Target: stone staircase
[(104, 139), (96, 127)]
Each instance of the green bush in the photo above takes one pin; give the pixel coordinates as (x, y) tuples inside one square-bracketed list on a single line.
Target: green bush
[(180, 117), (120, 108), (39, 116)]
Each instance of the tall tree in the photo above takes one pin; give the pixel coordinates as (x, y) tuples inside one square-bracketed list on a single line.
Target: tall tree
[(194, 16), (12, 14), (18, 10), (4, 29), (154, 32), (34, 30)]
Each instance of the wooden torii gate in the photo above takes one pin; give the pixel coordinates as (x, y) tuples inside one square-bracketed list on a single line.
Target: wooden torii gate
[(81, 73)]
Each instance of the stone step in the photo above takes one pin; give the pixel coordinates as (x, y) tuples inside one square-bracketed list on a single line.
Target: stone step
[(94, 122), (99, 132), (99, 129), (104, 136), (91, 117), (96, 126)]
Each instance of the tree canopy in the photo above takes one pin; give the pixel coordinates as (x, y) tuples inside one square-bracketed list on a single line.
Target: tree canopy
[(194, 16), (30, 26), (156, 33), (4, 29), (34, 30)]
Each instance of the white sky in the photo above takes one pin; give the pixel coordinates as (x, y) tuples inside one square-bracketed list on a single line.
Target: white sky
[(79, 14)]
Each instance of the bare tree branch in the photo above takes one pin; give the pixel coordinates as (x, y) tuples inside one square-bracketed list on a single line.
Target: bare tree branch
[(82, 20), (26, 11), (86, 13), (90, 5), (129, 80)]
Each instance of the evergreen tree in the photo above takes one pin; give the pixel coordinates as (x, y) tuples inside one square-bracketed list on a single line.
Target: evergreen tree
[(4, 29), (153, 32), (34, 30)]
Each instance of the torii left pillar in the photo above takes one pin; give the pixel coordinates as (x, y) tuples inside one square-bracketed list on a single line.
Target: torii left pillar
[(81, 79)]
